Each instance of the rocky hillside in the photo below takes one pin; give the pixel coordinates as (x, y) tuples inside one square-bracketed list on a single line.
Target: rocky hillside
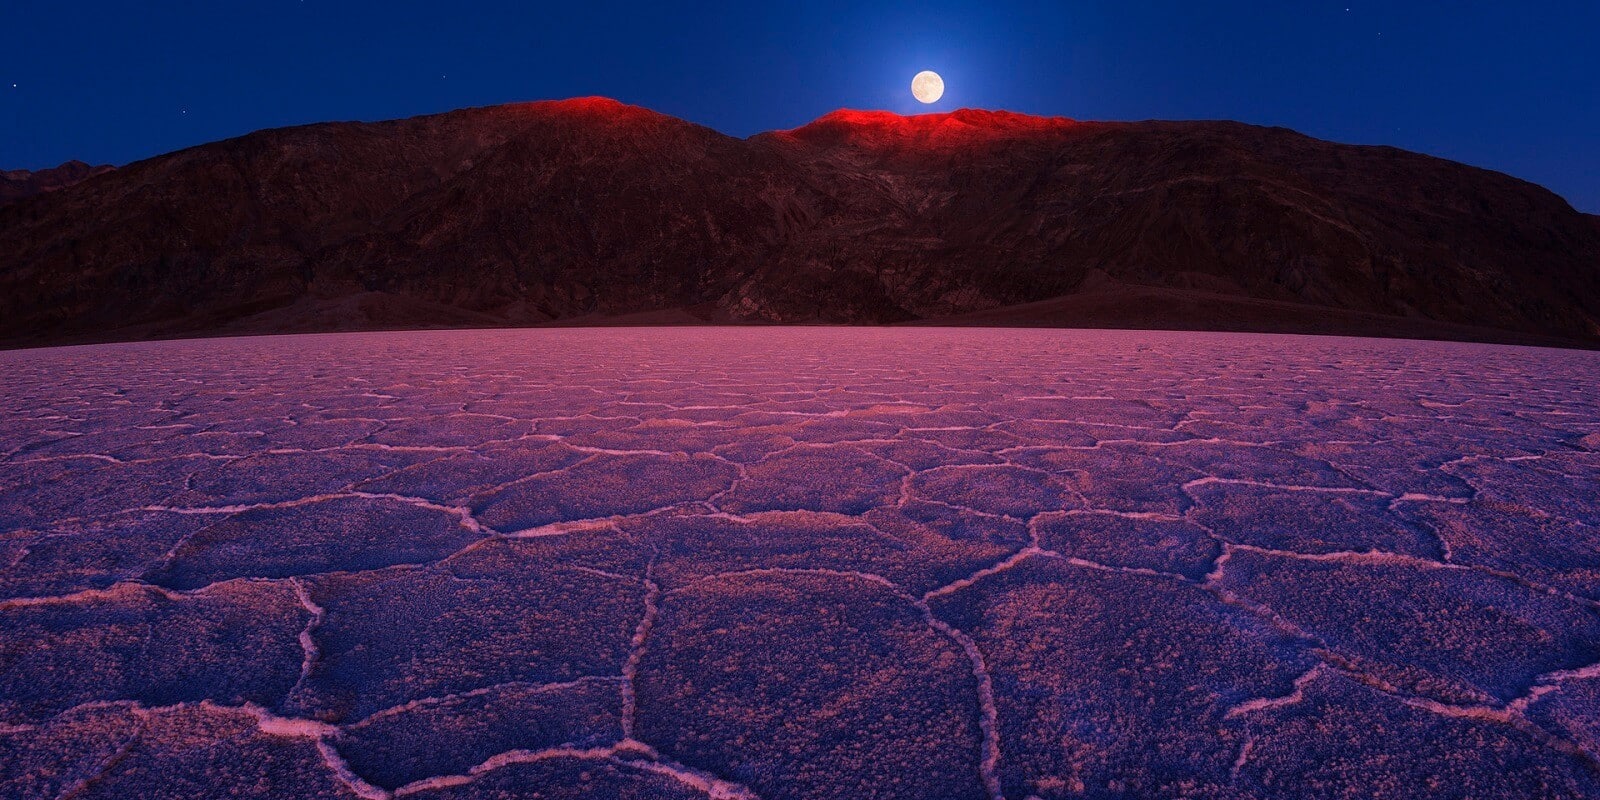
[(16, 184), (590, 211)]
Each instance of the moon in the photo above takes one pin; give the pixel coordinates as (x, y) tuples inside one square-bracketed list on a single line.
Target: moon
[(927, 87)]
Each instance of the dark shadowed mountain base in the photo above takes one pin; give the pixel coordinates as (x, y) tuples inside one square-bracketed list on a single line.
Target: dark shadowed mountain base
[(592, 211), (800, 564)]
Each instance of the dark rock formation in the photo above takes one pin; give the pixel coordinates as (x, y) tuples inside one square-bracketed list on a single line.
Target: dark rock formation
[(592, 211), (16, 184)]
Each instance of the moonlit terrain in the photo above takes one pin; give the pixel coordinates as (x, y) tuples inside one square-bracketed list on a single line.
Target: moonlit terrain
[(799, 563)]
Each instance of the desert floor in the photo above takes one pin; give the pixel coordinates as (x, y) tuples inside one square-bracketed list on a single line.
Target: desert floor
[(799, 563)]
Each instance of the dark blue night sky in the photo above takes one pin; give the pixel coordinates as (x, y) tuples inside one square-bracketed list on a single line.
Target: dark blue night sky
[(1510, 86)]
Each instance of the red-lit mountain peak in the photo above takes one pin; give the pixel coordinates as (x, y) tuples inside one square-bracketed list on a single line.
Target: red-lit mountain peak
[(593, 109), (848, 126)]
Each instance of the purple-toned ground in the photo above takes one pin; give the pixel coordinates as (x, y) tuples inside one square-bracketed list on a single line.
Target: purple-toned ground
[(799, 563)]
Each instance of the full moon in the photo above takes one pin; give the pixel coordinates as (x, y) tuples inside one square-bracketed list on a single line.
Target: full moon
[(927, 87)]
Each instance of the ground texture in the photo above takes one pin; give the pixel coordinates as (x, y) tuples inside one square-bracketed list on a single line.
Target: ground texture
[(799, 563)]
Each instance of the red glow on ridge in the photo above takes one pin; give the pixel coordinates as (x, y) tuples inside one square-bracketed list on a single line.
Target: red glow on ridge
[(954, 127), (593, 107)]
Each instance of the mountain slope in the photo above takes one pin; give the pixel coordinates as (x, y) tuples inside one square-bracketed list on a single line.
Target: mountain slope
[(587, 210), (16, 184)]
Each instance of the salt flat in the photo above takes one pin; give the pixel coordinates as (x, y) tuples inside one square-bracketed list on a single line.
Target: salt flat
[(800, 563)]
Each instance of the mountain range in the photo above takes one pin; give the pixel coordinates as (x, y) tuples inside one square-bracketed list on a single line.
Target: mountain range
[(589, 211), (16, 184)]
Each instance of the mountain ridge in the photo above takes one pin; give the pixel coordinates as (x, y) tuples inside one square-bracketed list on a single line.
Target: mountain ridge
[(17, 184), (555, 211)]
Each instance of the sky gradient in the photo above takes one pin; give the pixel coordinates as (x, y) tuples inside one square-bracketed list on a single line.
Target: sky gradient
[(1490, 84)]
